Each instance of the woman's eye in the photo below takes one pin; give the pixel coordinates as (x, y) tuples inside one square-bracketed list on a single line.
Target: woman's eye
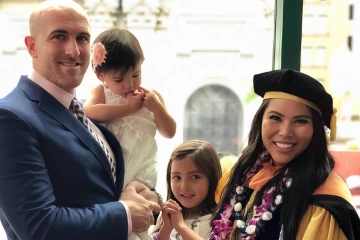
[(302, 121), (274, 117)]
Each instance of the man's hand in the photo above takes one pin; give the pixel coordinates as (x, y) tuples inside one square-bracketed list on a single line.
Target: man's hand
[(143, 190), (141, 210)]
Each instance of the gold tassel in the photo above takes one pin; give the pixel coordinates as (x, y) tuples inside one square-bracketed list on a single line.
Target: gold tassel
[(333, 126)]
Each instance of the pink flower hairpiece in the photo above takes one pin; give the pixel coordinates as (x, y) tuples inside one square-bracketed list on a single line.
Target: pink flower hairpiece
[(98, 54)]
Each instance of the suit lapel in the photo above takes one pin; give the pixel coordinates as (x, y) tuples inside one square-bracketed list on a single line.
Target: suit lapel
[(53, 108)]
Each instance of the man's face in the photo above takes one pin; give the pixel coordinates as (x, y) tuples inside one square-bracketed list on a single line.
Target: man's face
[(61, 47)]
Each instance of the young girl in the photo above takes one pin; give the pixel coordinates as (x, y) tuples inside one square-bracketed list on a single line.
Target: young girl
[(192, 175), (128, 110), (283, 186), (131, 112)]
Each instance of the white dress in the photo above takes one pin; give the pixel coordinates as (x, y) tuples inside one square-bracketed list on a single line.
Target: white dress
[(136, 134), (202, 228)]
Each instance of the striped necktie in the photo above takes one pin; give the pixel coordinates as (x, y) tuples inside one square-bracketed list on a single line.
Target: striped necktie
[(77, 111)]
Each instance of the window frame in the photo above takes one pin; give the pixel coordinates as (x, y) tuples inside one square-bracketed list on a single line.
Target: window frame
[(288, 34)]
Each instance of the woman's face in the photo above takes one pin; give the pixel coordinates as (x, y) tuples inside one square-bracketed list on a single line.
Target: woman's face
[(287, 129)]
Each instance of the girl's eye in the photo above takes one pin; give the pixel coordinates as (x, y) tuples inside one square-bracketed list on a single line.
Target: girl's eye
[(136, 75), (118, 80), (176, 177), (195, 177), (274, 117)]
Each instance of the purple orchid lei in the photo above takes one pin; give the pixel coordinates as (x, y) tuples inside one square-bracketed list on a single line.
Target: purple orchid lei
[(233, 211)]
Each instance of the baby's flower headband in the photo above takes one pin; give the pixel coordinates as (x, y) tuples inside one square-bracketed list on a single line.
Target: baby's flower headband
[(98, 54)]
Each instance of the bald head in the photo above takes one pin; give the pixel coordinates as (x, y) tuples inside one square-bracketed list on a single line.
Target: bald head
[(52, 5)]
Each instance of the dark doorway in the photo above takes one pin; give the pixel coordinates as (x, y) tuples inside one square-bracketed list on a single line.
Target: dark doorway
[(214, 113)]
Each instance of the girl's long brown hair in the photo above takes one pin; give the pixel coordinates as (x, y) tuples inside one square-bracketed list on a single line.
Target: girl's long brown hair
[(207, 161)]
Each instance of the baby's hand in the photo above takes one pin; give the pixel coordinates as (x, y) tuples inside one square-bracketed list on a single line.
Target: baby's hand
[(151, 100), (134, 100)]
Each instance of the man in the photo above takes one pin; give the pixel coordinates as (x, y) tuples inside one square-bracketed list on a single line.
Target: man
[(56, 180)]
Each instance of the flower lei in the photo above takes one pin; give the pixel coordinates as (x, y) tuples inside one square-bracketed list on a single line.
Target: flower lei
[(261, 214), (98, 54)]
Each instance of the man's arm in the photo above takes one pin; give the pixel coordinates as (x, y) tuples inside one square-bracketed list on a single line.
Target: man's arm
[(27, 198)]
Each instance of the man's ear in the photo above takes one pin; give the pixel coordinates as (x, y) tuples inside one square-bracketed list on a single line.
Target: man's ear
[(30, 44)]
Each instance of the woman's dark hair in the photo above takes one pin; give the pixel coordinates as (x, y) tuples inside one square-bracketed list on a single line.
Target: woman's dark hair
[(308, 171), (123, 51)]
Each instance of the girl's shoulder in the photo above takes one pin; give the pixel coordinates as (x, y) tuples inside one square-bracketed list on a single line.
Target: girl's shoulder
[(112, 98)]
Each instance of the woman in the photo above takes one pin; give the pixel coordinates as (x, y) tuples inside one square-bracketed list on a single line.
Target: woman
[(283, 186)]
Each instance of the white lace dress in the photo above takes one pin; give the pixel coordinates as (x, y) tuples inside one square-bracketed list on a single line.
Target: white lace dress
[(136, 134)]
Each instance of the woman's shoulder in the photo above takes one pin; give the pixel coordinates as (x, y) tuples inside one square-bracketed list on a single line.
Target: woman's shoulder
[(221, 185), (334, 185), (332, 200)]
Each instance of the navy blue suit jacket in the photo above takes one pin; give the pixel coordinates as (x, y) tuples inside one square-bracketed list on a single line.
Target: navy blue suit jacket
[(55, 180)]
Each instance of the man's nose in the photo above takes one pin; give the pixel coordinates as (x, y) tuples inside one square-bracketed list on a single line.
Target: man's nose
[(72, 49)]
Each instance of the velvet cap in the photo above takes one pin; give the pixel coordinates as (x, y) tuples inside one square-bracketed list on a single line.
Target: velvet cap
[(297, 86)]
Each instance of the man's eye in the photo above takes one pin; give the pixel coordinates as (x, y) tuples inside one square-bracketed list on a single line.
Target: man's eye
[(59, 37), (83, 38)]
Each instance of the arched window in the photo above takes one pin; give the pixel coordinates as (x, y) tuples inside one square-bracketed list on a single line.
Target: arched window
[(214, 113)]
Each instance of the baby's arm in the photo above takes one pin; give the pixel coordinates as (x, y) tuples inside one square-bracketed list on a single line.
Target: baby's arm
[(96, 109), (154, 102)]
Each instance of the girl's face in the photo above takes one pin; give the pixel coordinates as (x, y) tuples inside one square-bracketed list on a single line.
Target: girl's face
[(188, 184), (287, 129), (120, 83)]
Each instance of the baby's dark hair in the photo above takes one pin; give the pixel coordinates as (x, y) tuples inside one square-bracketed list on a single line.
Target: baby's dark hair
[(123, 51)]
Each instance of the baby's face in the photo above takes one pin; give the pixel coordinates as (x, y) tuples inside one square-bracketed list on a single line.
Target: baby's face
[(122, 83)]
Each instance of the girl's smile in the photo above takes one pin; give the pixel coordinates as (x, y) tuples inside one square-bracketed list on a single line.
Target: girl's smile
[(189, 185)]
